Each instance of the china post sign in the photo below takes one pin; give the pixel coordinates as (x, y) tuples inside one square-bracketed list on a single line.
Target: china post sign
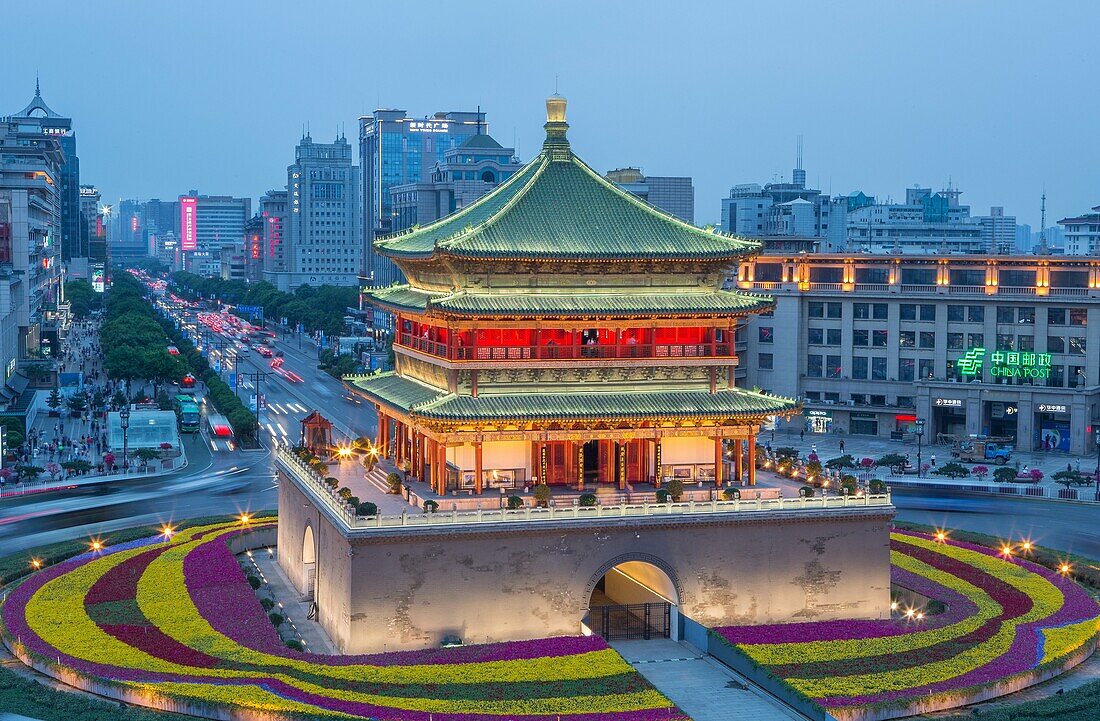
[(1005, 364)]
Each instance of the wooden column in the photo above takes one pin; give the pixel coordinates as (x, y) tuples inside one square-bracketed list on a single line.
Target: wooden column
[(620, 463), (432, 457), (579, 456), (737, 466), (477, 467), (658, 464), (718, 461), (442, 447), (752, 461), (381, 425)]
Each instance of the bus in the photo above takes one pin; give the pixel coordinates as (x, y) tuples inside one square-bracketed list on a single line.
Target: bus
[(219, 425), (187, 383), (187, 412)]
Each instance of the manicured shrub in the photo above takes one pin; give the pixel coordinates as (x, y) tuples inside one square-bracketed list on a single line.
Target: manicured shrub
[(344, 493), (952, 470), (332, 482), (277, 619), (366, 508), (589, 499), (393, 480), (430, 506), (267, 603), (515, 502), (876, 486), (1004, 474), (542, 494), (806, 492), (731, 494), (352, 501), (675, 489), (294, 644), (255, 582)]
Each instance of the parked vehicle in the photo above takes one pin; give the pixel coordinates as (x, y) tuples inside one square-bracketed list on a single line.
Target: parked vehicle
[(983, 449)]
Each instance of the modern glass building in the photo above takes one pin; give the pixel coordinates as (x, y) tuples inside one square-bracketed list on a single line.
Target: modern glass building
[(395, 149)]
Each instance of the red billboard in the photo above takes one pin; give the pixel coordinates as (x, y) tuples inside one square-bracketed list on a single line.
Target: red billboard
[(187, 224)]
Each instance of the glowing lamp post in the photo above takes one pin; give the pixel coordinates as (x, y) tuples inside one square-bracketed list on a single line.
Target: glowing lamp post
[(124, 422), (920, 435)]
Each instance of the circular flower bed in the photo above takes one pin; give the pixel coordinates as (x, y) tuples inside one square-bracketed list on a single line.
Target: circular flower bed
[(1008, 623), (174, 624)]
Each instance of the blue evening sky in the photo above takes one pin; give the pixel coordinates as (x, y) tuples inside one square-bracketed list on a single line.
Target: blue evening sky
[(999, 97)]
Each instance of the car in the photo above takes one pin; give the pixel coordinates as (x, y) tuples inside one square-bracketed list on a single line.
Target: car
[(266, 352)]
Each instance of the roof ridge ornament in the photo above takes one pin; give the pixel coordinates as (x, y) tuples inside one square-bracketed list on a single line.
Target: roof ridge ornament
[(556, 144)]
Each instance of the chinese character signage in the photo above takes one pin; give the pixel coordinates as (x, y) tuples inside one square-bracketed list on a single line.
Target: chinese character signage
[(1005, 364), (188, 208)]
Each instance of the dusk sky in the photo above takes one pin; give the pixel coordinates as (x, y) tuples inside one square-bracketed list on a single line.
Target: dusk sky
[(1000, 98)]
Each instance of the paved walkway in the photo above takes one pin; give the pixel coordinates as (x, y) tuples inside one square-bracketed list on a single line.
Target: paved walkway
[(294, 608), (702, 687)]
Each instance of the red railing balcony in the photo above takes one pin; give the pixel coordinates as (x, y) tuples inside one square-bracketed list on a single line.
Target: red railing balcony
[(594, 351)]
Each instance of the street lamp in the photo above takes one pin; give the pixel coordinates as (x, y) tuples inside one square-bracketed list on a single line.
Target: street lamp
[(124, 421), (920, 435), (1096, 478)]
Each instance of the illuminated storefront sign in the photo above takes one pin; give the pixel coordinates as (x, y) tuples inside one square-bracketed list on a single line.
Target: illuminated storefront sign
[(89, 191), (1053, 408), (428, 126), (1005, 364), (948, 403), (188, 209), (97, 279)]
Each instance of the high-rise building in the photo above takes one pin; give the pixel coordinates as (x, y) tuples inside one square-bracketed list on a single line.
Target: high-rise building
[(323, 244), (273, 210), (38, 115), (675, 195), (998, 231), (394, 150), (1082, 233), (782, 213), (31, 161), (253, 248), (468, 172), (218, 221)]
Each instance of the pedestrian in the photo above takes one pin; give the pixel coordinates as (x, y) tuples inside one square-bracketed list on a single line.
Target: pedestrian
[(933, 460), (802, 435), (842, 445)]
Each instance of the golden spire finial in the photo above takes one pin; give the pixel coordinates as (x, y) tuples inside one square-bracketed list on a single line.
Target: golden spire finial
[(555, 109)]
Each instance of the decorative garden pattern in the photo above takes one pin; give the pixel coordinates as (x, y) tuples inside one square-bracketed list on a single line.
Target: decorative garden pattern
[(1006, 619), (158, 620)]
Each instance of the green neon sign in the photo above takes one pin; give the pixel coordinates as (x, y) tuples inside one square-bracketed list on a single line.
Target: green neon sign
[(1005, 364)]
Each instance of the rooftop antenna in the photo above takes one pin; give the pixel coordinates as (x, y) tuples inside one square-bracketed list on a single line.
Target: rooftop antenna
[(37, 87), (479, 119), (555, 83), (798, 159), (1043, 250)]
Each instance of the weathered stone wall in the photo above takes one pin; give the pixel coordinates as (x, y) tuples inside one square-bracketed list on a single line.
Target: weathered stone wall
[(413, 587), (333, 570)]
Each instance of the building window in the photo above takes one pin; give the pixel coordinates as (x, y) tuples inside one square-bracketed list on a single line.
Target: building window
[(764, 335), (975, 313), (926, 368), (975, 340), (880, 311), (918, 276), (861, 338), (1006, 341), (817, 309), (880, 338), (1005, 314), (969, 276), (1056, 316), (928, 312), (954, 341), (907, 339), (832, 363), (906, 402), (1078, 316), (1025, 342), (1025, 316), (859, 367), (1057, 376), (906, 368), (859, 426), (881, 276), (1077, 346), (861, 311), (815, 336), (1056, 344), (956, 313), (926, 340), (878, 369), (764, 361), (813, 366), (832, 336), (878, 400), (908, 311), (833, 310)]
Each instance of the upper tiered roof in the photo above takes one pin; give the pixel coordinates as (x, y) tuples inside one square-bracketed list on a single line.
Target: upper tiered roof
[(558, 208)]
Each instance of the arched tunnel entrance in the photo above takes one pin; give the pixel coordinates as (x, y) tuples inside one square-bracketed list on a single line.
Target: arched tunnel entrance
[(633, 600)]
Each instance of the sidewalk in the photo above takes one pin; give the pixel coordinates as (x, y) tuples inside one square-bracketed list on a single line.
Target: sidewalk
[(702, 687)]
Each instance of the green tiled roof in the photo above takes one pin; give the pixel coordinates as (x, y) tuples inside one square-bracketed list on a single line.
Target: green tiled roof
[(394, 390), (579, 406), (562, 209), (427, 402), (403, 297)]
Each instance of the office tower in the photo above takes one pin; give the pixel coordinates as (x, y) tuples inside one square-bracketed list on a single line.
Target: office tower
[(675, 195)]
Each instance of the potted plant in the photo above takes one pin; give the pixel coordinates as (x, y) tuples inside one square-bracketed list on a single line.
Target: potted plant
[(806, 492), (514, 503), (430, 506), (675, 489), (587, 500), (393, 480), (542, 495)]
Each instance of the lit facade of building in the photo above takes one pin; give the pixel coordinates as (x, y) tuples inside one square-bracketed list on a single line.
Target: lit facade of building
[(560, 330), (321, 237), (273, 210), (395, 149), (1000, 345), (467, 173)]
